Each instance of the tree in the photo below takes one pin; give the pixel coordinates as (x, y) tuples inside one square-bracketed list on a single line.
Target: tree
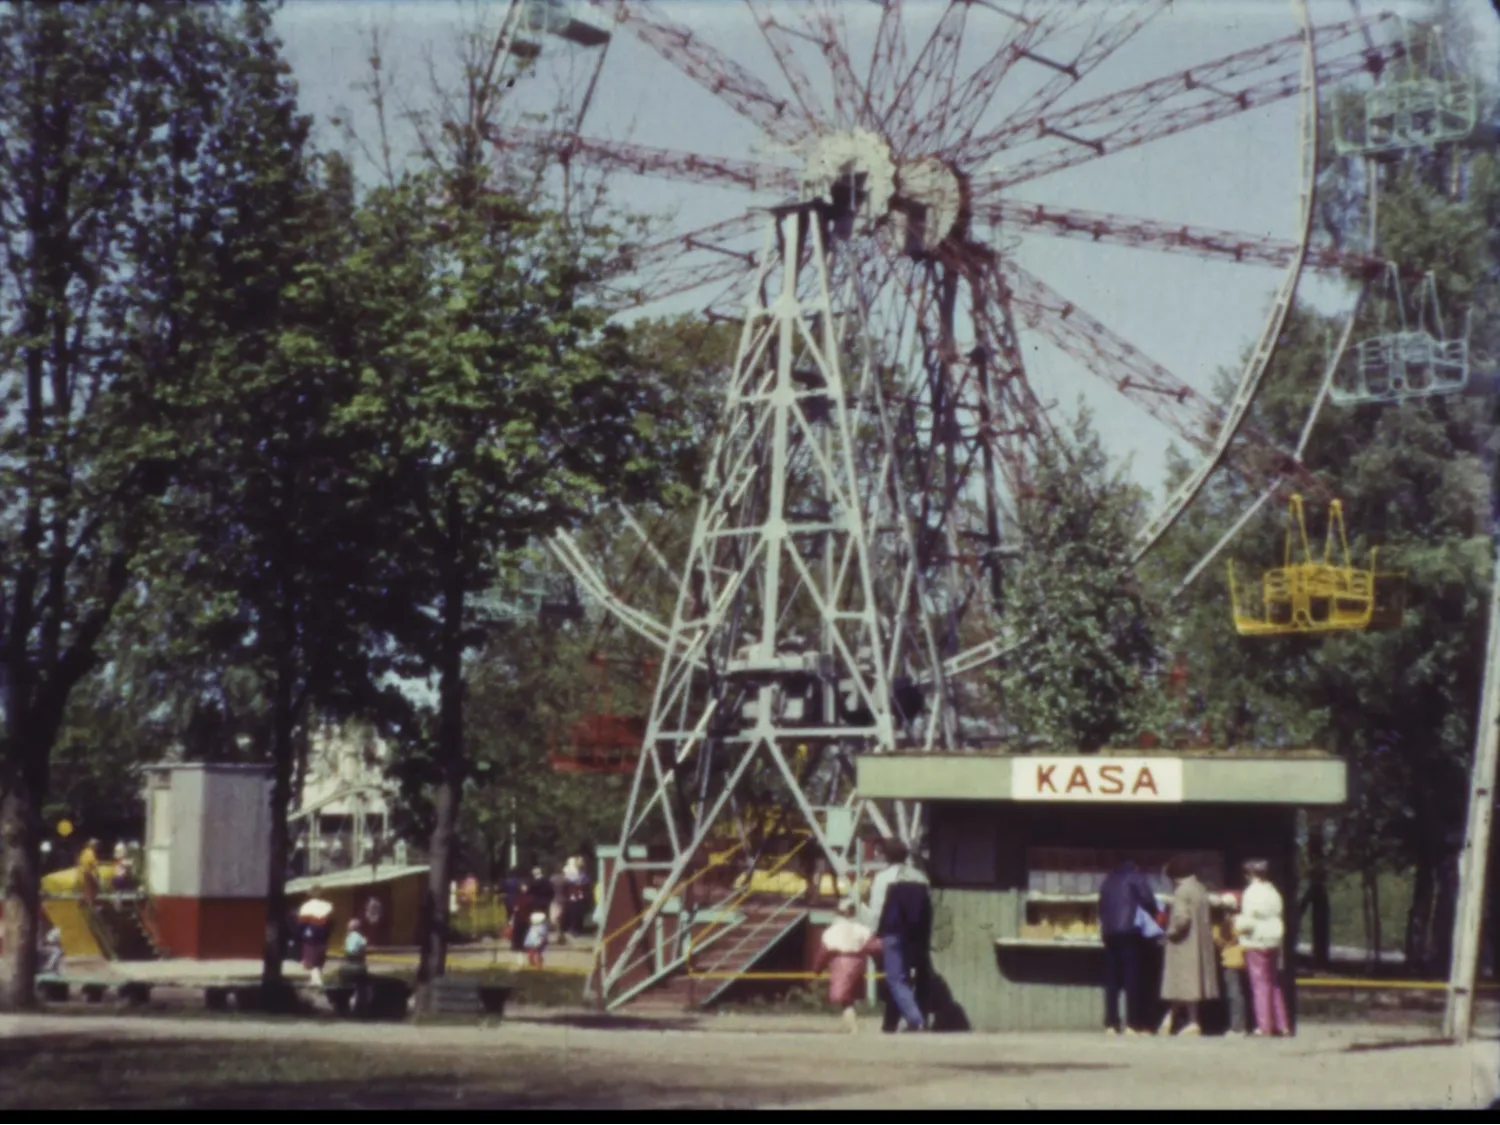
[(505, 401), (126, 181), (1094, 630), (1412, 480)]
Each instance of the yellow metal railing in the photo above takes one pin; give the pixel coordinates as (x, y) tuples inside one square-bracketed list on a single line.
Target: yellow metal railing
[(721, 860), (1307, 594)]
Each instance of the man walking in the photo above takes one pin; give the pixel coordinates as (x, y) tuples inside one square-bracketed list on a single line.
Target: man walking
[(1125, 896), (901, 904)]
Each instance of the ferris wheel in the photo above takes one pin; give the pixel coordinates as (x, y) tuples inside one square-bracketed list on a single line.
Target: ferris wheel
[(881, 182)]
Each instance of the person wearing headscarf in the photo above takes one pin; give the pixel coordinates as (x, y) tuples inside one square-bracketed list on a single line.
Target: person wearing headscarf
[(1190, 974), (846, 946), (315, 921), (1262, 928)]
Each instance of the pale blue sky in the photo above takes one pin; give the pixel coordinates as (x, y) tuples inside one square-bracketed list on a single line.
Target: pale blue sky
[(1193, 316)]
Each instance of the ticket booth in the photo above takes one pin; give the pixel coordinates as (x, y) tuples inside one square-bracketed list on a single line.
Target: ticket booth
[(1018, 846)]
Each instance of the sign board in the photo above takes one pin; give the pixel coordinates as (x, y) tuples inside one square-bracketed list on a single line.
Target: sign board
[(1093, 778)]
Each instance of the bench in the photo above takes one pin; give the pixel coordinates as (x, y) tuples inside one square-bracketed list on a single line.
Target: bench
[(465, 996), (57, 989), (368, 997)]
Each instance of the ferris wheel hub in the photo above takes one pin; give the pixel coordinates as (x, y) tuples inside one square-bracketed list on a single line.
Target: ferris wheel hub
[(921, 202)]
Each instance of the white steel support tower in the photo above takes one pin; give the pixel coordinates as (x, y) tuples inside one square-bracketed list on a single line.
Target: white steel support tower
[(778, 668)]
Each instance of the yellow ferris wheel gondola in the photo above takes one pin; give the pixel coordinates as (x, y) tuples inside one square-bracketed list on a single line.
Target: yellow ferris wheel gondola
[(1324, 595)]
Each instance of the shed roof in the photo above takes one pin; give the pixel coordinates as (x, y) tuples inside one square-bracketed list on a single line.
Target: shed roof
[(363, 876)]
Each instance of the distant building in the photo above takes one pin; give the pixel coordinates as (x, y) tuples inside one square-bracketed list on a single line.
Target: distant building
[(341, 816)]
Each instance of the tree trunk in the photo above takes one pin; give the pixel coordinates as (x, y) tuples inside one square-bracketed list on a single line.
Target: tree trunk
[(1316, 898), (1443, 915), (283, 754), (1371, 882), (304, 752), (450, 748), (1419, 916), (20, 855)]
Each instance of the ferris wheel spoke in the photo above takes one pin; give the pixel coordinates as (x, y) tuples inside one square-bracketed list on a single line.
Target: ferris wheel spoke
[(1144, 381), (675, 281), (1177, 238), (1166, 106), (646, 160), (933, 70), (716, 72), (851, 101), (779, 39), (888, 59), (1026, 33), (1103, 41), (711, 238)]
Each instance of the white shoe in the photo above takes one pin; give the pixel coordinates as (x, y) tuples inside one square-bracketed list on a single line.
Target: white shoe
[(316, 976), (851, 1021), (1191, 1029)]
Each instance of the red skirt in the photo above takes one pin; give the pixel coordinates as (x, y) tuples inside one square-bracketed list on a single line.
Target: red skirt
[(846, 978)]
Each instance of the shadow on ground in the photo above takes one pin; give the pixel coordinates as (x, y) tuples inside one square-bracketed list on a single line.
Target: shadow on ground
[(607, 1021), (84, 1072), (1397, 1045), (1020, 1070)]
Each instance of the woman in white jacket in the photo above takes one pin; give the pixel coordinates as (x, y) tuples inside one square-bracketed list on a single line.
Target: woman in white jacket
[(1261, 928)]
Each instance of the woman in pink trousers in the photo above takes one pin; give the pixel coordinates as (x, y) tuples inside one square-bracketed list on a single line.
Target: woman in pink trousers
[(1262, 929)]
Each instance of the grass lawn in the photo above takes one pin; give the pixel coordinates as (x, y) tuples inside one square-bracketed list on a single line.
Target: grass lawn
[(1347, 912)]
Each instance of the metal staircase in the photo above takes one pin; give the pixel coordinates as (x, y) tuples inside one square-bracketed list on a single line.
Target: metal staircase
[(699, 942), (124, 927), (717, 948)]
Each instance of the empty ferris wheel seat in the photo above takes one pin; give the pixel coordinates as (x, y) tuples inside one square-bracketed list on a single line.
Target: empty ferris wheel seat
[(553, 17), (1411, 357), (1415, 103), (1320, 595)]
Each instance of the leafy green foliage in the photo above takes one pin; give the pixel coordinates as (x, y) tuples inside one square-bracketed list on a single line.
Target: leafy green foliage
[(145, 154), (1094, 629), (1399, 705)]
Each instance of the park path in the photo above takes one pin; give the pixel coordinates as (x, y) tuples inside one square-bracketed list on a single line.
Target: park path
[(1326, 1066)]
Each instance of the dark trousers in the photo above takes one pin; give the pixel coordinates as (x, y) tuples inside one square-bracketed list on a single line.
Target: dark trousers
[(1122, 970)]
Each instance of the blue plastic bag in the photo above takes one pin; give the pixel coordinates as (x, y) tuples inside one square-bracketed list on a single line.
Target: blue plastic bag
[(1146, 924)]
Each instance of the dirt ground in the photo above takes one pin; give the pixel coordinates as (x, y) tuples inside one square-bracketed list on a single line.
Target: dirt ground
[(540, 1059)]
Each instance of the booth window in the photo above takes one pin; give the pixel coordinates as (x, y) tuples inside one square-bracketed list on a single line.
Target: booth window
[(963, 848)]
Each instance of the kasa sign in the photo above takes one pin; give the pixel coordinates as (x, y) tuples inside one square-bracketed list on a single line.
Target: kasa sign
[(1096, 779)]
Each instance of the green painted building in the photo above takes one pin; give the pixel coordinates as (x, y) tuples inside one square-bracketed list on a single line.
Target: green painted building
[(1018, 845)]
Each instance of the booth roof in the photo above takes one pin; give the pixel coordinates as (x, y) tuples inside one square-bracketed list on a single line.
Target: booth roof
[(1123, 752), (1284, 777)]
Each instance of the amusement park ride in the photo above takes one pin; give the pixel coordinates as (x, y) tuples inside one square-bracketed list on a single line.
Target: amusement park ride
[(848, 558)]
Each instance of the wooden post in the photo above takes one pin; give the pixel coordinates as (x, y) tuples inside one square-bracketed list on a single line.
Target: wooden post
[(1473, 860)]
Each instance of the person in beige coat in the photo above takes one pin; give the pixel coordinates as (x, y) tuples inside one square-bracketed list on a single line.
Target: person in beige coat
[(1190, 974)]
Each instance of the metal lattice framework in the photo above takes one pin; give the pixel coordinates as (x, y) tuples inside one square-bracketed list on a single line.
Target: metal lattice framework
[(846, 566)]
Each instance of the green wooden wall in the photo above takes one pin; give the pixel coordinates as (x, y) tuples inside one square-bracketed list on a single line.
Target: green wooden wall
[(978, 857)]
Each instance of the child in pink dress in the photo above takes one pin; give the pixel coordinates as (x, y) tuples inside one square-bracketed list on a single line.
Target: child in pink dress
[(846, 946)]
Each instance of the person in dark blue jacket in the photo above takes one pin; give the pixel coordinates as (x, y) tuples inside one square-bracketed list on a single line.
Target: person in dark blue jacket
[(902, 898), (1125, 892)]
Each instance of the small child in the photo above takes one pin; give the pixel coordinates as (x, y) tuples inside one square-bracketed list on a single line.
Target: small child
[(355, 945), (1232, 958), (536, 939), (51, 950), (846, 945)]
